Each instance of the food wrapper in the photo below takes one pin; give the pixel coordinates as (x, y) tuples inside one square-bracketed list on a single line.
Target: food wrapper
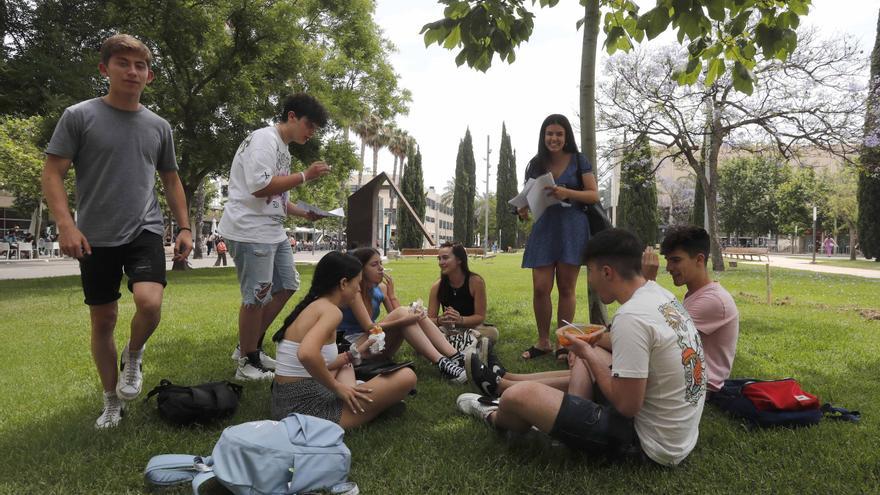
[(378, 338), (588, 333)]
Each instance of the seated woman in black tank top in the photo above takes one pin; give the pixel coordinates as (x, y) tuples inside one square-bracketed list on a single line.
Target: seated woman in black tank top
[(460, 294)]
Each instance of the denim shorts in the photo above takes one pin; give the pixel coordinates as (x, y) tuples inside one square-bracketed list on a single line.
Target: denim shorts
[(595, 428), (263, 270)]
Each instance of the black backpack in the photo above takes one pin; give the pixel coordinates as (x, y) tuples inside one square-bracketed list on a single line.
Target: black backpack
[(182, 405)]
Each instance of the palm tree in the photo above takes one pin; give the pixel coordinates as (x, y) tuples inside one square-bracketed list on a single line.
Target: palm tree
[(377, 138), (448, 192), (362, 129)]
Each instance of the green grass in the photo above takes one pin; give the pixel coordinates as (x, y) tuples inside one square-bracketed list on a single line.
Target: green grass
[(846, 263), (817, 331)]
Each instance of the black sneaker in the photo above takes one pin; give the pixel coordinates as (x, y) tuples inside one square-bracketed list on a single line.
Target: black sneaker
[(451, 371), (483, 378), (493, 363)]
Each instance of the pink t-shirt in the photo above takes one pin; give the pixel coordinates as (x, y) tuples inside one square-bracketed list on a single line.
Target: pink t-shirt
[(715, 315)]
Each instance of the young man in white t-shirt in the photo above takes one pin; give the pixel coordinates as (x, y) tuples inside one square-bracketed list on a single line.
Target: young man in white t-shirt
[(686, 249), (644, 397), (252, 225)]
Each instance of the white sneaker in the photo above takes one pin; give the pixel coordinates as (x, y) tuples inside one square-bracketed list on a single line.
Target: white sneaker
[(247, 371), (114, 409), (268, 362), (131, 376), (470, 404)]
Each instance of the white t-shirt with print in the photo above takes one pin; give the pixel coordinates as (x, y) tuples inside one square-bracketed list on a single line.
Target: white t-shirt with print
[(653, 337), (247, 218)]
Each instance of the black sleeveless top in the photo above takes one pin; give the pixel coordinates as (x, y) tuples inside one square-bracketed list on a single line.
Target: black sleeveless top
[(459, 298)]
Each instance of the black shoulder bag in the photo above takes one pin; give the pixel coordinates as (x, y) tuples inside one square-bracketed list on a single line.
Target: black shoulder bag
[(596, 215), (183, 405)]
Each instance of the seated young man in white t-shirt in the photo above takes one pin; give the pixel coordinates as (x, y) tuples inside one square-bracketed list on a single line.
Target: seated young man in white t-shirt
[(686, 249), (650, 399)]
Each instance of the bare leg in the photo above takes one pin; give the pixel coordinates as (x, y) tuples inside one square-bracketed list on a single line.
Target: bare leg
[(542, 287), (250, 318), (566, 282), (271, 310), (559, 383), (103, 347), (527, 404), (148, 313), (387, 390)]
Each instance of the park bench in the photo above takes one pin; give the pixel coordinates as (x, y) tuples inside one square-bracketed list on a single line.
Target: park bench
[(745, 254), (421, 253)]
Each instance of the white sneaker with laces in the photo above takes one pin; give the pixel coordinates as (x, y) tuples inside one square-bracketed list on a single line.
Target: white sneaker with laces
[(247, 371), (114, 409), (470, 404), (131, 376), (268, 362)]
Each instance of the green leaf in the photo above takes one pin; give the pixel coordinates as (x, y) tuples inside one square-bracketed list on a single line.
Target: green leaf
[(799, 7), (456, 10), (654, 21), (716, 9), (454, 38), (692, 70), (716, 68), (738, 24), (743, 79)]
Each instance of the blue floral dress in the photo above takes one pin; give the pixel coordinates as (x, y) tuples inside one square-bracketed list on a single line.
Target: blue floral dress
[(562, 232)]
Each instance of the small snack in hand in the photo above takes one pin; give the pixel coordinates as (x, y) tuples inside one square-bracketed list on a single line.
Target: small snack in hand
[(377, 335), (589, 333), (417, 307)]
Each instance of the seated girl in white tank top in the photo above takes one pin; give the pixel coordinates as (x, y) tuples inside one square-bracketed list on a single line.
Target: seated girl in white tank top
[(311, 377)]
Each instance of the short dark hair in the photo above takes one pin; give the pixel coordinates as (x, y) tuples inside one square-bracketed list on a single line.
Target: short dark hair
[(305, 105), (121, 43), (690, 238), (617, 248)]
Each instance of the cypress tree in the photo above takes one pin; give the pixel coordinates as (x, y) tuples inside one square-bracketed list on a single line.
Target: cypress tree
[(505, 190), (459, 198), (638, 192), (470, 169), (413, 189), (869, 174)]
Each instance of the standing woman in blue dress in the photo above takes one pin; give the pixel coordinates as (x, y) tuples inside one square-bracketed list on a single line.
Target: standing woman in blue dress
[(559, 236)]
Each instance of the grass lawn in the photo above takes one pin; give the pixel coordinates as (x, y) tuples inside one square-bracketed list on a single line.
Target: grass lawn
[(819, 331), (847, 263)]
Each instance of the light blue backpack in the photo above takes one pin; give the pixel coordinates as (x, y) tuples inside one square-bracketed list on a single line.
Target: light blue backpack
[(299, 453)]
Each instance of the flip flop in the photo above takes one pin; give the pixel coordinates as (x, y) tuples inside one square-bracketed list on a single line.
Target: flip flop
[(561, 354), (534, 352)]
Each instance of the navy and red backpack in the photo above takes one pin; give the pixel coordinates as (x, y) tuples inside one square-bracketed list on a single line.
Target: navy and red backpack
[(766, 403)]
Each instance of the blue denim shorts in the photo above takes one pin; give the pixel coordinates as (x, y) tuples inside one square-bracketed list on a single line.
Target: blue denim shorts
[(263, 270)]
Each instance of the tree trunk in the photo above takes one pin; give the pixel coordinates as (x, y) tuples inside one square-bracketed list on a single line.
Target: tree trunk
[(198, 218), (853, 239), (711, 171), (375, 159), (597, 311)]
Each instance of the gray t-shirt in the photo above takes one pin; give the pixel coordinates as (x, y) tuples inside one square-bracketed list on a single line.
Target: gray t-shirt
[(115, 154)]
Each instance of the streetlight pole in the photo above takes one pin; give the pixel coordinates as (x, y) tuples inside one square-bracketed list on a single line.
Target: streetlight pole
[(486, 230)]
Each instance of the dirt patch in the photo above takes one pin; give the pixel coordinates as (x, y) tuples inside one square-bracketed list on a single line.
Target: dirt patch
[(870, 314), (751, 298)]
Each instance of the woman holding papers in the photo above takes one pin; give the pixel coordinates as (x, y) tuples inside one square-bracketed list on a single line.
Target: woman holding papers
[(561, 230)]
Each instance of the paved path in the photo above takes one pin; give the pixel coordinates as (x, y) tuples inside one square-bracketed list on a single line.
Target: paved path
[(55, 267), (803, 263)]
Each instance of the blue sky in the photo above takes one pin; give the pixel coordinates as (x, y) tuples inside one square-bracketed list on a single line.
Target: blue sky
[(544, 79)]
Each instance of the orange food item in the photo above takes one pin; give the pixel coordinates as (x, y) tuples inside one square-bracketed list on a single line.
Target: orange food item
[(584, 332), (376, 330)]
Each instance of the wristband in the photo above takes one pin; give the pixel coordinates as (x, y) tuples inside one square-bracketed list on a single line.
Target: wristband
[(180, 229), (303, 175)]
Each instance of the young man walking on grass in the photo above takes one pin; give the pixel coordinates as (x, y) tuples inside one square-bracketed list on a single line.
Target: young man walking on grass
[(116, 146), (644, 398), (252, 225)]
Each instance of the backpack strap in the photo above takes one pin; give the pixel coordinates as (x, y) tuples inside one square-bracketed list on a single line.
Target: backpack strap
[(840, 413)]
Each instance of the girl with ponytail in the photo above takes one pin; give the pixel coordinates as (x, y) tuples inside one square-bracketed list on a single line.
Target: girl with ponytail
[(311, 377)]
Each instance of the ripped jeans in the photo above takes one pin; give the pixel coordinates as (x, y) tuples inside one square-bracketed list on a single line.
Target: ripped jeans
[(263, 270)]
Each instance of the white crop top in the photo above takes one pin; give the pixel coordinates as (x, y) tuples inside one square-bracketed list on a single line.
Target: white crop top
[(287, 362)]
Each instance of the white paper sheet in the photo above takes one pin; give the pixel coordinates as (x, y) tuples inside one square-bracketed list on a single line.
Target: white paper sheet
[(338, 212), (537, 196)]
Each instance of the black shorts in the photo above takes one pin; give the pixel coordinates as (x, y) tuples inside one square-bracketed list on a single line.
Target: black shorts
[(143, 260), (596, 428)]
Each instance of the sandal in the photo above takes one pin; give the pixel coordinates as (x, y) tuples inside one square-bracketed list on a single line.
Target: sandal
[(534, 352), (561, 354)]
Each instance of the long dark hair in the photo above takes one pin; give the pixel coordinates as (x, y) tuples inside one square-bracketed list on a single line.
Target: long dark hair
[(461, 254), (538, 164), (364, 255), (332, 268)]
